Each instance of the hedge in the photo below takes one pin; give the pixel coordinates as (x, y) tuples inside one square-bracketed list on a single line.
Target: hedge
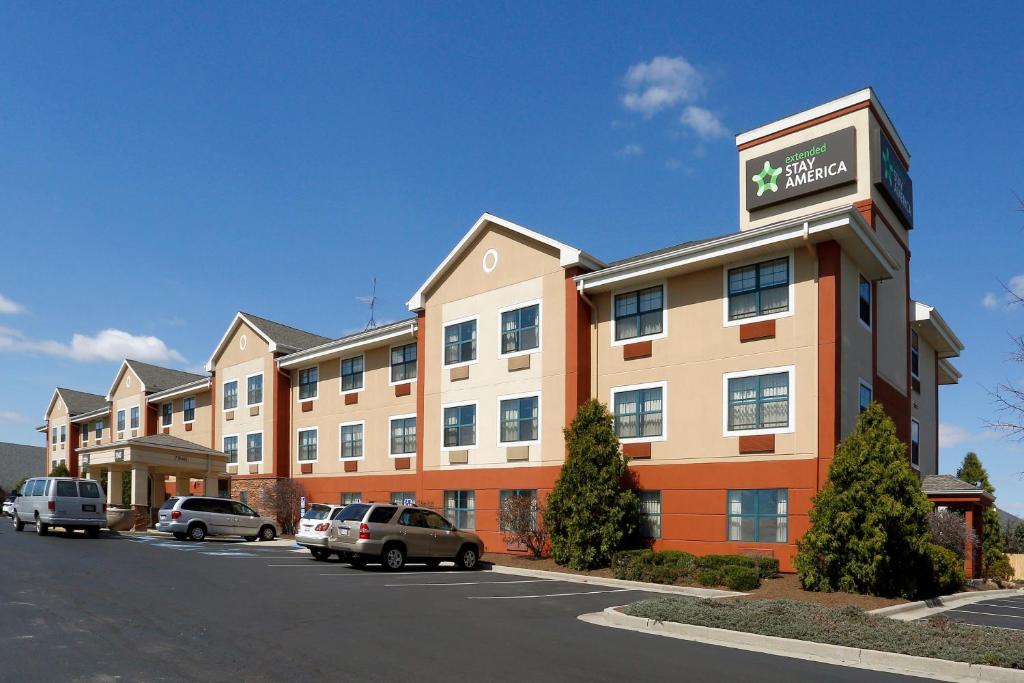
[(737, 572)]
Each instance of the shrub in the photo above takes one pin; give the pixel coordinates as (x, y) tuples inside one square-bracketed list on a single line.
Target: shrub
[(947, 570), (60, 470), (869, 527), (999, 570), (949, 530), (719, 561), (590, 512), (627, 564), (709, 577), (740, 578), (522, 521), (667, 566), (768, 567)]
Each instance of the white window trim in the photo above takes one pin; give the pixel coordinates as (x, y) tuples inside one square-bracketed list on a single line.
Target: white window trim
[(448, 323), (299, 431), (458, 404), (791, 369), (227, 436), (223, 393), (117, 420), (194, 410), (861, 382), (871, 303), (664, 312), (915, 375), (168, 424), (262, 449), (130, 408), (664, 410), (540, 413), (539, 303), (353, 423), (757, 318), (344, 392), (262, 393), (298, 387), (915, 421), (391, 348), (391, 418)]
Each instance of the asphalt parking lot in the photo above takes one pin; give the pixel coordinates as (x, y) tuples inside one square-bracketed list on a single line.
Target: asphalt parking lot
[(145, 608), (1005, 613)]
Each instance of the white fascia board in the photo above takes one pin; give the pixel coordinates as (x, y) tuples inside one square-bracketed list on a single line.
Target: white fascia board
[(328, 351), (86, 417), (235, 322), (191, 388), (925, 315)]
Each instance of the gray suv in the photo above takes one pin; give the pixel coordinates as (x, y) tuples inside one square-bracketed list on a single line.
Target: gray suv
[(395, 534), (193, 518)]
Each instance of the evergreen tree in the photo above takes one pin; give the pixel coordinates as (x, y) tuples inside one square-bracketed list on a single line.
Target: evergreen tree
[(60, 470), (869, 528), (591, 511), (972, 471)]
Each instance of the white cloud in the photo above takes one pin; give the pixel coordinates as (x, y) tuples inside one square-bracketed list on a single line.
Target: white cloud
[(702, 122), (1016, 287), (11, 417), (1012, 296), (952, 435), (107, 345), (990, 301), (661, 83), (9, 307), (630, 151)]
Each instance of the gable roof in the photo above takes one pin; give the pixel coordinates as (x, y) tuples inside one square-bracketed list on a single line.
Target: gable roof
[(153, 377), (946, 484), (280, 338), (567, 255), (77, 402), (351, 342), (158, 441)]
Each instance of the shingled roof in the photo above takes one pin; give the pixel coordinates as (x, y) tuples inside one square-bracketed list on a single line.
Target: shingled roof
[(79, 402), (157, 378), (158, 441), (285, 335), (945, 484)]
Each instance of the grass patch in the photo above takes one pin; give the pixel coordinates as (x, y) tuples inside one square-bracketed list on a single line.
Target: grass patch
[(938, 638)]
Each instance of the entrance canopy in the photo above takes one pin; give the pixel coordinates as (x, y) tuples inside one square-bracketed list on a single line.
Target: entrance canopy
[(160, 454), (945, 490)]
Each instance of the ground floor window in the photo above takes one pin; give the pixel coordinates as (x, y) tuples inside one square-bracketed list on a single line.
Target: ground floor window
[(231, 448), (403, 498), (650, 514), (460, 508), (350, 497), (758, 515), (508, 496)]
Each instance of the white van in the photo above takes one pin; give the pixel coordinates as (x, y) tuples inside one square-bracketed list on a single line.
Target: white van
[(61, 501)]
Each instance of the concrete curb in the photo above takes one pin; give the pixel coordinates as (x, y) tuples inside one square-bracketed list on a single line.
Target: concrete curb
[(925, 608), (891, 662), (692, 592)]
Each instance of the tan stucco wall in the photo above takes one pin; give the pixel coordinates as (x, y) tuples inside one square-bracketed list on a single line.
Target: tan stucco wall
[(892, 307), (58, 417), (855, 363), (924, 409), (200, 432), (699, 350), (236, 363), (525, 272), (127, 394)]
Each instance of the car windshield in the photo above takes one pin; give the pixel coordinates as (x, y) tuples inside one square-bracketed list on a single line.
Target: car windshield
[(317, 512), (353, 513), (169, 504)]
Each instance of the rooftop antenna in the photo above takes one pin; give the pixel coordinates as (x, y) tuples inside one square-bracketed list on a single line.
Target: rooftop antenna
[(370, 301)]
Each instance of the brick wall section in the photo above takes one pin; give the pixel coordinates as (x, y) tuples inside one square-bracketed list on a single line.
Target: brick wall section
[(258, 490)]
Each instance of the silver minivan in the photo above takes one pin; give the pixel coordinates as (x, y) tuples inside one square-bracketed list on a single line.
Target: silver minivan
[(193, 518), (64, 502)]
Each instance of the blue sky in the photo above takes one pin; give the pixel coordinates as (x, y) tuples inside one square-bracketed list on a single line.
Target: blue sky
[(236, 156)]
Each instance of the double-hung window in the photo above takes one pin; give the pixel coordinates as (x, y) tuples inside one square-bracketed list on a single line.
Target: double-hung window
[(85, 432), (352, 440), (120, 420), (759, 402), (64, 431), (639, 412), (135, 417), (166, 413), (403, 363), (864, 398), (915, 361), (403, 435), (254, 447), (308, 379), (99, 428), (520, 329), (460, 508), (231, 395), (307, 445), (460, 342), (650, 514), (519, 419), (460, 426), (188, 409), (231, 448), (640, 313), (864, 300), (915, 443), (254, 390), (759, 289), (53, 437), (352, 374), (758, 515)]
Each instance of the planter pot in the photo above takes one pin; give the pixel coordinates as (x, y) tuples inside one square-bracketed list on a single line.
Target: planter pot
[(120, 519)]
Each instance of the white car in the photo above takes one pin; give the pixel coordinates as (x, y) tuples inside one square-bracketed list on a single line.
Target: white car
[(315, 529), (9, 505)]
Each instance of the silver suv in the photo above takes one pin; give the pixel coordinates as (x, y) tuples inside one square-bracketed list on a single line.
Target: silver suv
[(193, 518), (395, 534), (66, 502)]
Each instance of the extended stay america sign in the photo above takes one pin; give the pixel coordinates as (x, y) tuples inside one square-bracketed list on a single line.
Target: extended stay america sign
[(802, 169)]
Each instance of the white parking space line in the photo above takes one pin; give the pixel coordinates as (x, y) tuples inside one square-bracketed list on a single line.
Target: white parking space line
[(550, 595), (466, 583), (992, 604), (359, 573), (989, 614)]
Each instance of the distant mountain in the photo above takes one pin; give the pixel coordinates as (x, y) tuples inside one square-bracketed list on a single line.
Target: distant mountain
[(1006, 520)]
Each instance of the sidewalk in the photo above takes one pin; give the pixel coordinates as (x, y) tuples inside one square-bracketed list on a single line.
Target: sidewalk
[(926, 608), (690, 591)]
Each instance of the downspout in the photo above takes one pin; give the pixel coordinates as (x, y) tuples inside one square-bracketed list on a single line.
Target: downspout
[(593, 347)]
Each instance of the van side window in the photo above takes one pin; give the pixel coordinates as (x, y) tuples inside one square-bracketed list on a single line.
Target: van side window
[(49, 482), (88, 489), (382, 515), (67, 489), (39, 487)]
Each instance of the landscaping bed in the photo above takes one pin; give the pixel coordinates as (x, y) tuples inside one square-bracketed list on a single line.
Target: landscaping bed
[(787, 587), (543, 564), (735, 572), (849, 626)]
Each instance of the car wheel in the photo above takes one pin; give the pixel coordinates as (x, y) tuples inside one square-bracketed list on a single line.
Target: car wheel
[(267, 533), (93, 531), (393, 558), (18, 524), (467, 557), (250, 539), (320, 554), (41, 529), (197, 532), (180, 535)]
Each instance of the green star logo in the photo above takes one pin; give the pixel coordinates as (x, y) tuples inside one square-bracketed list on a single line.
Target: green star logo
[(889, 167), (766, 179)]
